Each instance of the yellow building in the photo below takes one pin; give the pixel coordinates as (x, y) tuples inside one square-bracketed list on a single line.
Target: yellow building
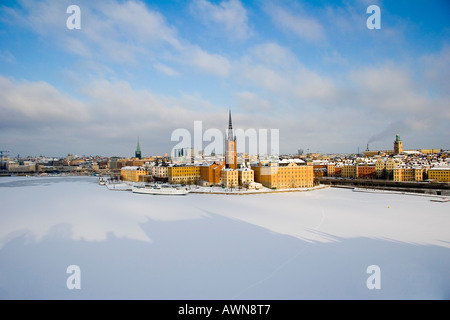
[(402, 173), (349, 171), (430, 151), (292, 175), (331, 169), (132, 173), (230, 178), (380, 168), (245, 176), (390, 165), (184, 174), (441, 174)]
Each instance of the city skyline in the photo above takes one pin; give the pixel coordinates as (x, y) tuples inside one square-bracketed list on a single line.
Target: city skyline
[(143, 69)]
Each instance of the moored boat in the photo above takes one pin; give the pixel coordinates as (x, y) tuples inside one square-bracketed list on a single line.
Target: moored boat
[(162, 190)]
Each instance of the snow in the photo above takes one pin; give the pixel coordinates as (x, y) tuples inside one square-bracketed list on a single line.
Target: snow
[(300, 245)]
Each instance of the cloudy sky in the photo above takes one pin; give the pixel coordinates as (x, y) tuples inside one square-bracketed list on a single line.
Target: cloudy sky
[(311, 69)]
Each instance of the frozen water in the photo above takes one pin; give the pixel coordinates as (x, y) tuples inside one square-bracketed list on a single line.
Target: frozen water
[(307, 245)]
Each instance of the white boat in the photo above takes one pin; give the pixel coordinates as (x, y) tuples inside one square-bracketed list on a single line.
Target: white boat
[(163, 190)]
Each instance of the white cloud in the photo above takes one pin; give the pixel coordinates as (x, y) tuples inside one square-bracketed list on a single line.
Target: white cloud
[(165, 69), (206, 62), (274, 68), (389, 89), (301, 25), (249, 101), (230, 15), (112, 29), (7, 56), (118, 32), (24, 101), (436, 68)]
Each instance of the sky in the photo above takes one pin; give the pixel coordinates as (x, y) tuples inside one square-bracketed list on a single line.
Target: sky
[(311, 69)]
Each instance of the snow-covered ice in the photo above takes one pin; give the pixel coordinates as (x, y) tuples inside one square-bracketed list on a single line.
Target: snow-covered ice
[(305, 245)]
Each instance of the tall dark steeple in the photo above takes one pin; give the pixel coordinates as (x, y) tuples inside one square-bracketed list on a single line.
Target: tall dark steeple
[(138, 154), (230, 127)]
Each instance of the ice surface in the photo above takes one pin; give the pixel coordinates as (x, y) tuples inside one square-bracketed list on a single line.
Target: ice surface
[(306, 245)]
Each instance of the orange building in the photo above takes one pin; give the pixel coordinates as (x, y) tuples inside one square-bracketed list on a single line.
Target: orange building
[(366, 171), (211, 175)]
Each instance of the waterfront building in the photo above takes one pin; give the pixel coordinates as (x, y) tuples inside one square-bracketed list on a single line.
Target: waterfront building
[(380, 169), (183, 174), (161, 171), (390, 165), (230, 177), (408, 174), (441, 174), (133, 173), (211, 174), (366, 170), (284, 175), (331, 169), (349, 171), (245, 176)]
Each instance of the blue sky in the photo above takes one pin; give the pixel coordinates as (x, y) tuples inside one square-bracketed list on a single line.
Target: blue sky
[(145, 68)]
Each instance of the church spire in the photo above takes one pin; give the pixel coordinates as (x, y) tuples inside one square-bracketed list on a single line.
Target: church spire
[(230, 127), (138, 151)]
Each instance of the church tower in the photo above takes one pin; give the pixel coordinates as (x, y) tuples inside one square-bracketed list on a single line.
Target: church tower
[(230, 146), (398, 145), (138, 154)]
